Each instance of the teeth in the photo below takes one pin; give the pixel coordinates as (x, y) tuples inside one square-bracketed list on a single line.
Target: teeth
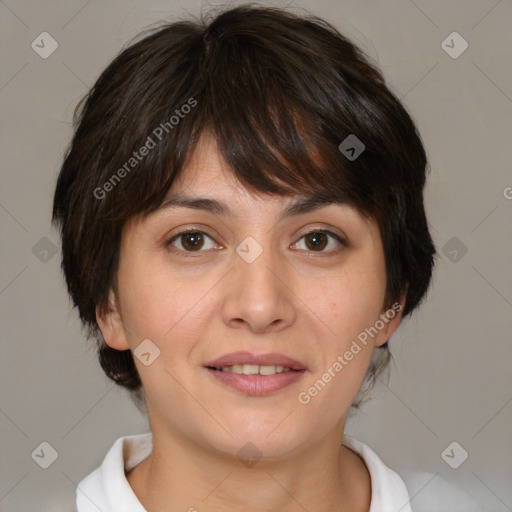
[(268, 370), (251, 369), (254, 369)]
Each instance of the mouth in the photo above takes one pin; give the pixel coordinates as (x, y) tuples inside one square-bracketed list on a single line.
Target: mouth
[(256, 374), (248, 361), (253, 369)]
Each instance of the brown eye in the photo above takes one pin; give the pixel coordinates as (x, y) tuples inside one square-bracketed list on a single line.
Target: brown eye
[(190, 241), (317, 241)]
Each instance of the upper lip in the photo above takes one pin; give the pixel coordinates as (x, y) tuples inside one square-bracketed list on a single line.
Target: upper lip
[(270, 359)]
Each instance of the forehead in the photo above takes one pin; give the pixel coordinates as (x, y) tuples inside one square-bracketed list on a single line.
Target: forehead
[(206, 174), (207, 183), (206, 169)]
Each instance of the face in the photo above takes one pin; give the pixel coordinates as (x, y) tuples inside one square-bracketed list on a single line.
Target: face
[(303, 287)]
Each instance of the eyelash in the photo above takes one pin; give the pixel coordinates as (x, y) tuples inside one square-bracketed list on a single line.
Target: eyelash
[(191, 254)]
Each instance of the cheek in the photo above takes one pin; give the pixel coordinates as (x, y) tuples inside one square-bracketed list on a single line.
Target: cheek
[(163, 305), (343, 365), (352, 302), (149, 307), (349, 304)]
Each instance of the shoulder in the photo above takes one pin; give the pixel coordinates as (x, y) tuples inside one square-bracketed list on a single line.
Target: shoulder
[(388, 489), (107, 488), (410, 490)]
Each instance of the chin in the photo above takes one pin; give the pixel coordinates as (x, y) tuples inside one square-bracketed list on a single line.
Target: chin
[(256, 437)]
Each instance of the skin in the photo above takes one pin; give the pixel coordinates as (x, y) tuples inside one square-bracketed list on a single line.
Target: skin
[(305, 302)]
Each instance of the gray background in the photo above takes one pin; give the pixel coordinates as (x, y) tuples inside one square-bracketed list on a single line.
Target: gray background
[(452, 378)]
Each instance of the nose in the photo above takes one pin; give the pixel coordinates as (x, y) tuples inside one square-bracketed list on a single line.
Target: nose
[(259, 295)]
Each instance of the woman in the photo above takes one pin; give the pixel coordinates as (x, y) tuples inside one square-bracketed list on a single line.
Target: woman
[(243, 229)]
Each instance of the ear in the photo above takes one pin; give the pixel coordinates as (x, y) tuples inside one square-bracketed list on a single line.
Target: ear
[(111, 325), (392, 318)]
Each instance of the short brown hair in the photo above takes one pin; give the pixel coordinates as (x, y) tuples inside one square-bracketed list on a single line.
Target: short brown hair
[(280, 92)]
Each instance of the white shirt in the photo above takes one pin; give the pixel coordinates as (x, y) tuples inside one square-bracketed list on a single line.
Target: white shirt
[(108, 490)]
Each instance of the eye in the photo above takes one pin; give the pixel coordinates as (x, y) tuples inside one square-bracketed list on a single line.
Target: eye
[(193, 240), (318, 240), (190, 241)]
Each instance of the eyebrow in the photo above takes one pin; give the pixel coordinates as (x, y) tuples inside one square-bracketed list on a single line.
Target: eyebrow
[(300, 206)]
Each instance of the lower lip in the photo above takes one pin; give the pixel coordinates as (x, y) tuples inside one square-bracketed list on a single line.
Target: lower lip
[(257, 385)]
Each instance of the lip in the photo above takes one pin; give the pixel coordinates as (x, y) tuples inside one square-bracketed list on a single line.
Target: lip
[(256, 385), (269, 359)]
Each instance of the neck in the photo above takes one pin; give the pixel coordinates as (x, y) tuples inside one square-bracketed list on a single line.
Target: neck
[(182, 475)]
